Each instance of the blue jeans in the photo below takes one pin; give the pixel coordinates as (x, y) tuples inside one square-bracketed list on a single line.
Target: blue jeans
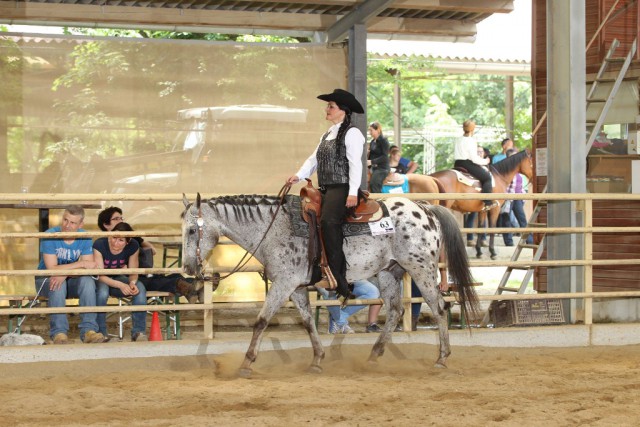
[(81, 287), (362, 289), (415, 293), (139, 317), (470, 222), (517, 210), (504, 220)]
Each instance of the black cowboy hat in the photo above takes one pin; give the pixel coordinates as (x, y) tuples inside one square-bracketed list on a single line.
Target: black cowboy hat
[(344, 98)]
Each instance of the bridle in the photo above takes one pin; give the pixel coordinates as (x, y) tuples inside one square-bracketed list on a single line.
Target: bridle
[(248, 254)]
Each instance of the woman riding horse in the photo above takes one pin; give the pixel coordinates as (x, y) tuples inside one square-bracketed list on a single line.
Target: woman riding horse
[(338, 161), (465, 153)]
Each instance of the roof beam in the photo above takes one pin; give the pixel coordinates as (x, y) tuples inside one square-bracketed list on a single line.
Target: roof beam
[(360, 15), (31, 13)]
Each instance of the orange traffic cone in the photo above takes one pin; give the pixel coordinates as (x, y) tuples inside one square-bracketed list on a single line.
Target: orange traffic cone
[(155, 334)]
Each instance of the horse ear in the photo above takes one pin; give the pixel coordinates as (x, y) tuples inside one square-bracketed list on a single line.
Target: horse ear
[(185, 200), (198, 200)]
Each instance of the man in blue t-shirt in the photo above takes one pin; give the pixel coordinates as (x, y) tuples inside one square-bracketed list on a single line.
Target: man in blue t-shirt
[(69, 254), (507, 144)]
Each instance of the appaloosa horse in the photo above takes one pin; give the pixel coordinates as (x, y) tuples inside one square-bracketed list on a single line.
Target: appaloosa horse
[(256, 224), (503, 173)]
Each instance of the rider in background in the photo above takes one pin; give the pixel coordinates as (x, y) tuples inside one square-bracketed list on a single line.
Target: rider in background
[(338, 160), (465, 153)]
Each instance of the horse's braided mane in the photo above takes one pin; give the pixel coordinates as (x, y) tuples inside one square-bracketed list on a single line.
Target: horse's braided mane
[(510, 163), (244, 206)]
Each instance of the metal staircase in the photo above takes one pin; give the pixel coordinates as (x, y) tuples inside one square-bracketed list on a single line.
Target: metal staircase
[(593, 128)]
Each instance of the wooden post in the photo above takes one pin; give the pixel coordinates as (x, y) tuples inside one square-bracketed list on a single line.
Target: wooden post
[(588, 256)]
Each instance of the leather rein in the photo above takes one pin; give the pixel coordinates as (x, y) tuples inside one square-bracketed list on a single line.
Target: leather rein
[(284, 191)]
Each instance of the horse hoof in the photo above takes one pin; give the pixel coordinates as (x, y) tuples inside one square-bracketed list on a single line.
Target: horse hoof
[(440, 365), (478, 256), (315, 369), (245, 372), (494, 257)]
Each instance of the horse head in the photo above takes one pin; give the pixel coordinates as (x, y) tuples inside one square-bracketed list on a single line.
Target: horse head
[(200, 234)]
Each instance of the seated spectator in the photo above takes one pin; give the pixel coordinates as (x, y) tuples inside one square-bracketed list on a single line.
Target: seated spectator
[(116, 253), (339, 316), (173, 283), (401, 164), (69, 254)]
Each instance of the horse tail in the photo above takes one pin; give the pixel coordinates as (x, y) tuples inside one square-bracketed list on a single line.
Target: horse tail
[(457, 263)]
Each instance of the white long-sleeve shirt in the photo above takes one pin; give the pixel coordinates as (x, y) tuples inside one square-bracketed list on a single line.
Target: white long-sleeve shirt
[(354, 141), (466, 148)]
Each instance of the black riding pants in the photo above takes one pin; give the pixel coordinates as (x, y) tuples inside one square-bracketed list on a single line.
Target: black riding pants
[(479, 172), (334, 210)]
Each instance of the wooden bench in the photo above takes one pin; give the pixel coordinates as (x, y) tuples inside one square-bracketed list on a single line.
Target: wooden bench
[(172, 317)]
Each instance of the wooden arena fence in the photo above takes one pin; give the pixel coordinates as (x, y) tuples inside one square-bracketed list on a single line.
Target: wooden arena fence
[(584, 203)]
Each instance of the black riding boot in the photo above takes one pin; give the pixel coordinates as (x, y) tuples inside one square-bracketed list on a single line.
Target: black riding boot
[(332, 234)]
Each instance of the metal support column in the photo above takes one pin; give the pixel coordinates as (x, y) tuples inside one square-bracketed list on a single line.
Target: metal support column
[(358, 82), (566, 94)]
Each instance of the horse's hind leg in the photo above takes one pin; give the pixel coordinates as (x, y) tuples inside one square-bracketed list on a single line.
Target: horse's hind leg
[(276, 297), (426, 282), (301, 300), (390, 291)]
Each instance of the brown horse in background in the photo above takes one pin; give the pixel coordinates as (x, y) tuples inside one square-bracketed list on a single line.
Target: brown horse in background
[(503, 173)]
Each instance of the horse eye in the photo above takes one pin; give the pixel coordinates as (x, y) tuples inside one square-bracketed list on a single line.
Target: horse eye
[(192, 231)]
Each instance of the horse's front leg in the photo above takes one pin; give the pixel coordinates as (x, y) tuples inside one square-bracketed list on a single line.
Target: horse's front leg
[(276, 297), (301, 300)]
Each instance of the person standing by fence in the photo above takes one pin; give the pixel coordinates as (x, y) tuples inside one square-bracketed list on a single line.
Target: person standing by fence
[(378, 157)]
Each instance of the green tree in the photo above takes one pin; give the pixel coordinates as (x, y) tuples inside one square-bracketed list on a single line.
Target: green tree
[(432, 99)]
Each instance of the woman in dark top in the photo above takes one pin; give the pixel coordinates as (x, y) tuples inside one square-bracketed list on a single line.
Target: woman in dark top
[(115, 253), (378, 157)]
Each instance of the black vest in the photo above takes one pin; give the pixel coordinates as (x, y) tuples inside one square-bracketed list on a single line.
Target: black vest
[(333, 165)]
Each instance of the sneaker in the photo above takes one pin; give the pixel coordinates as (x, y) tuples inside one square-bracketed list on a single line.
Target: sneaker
[(484, 244), (470, 243), (373, 328), (344, 329), (61, 338), (93, 337), (184, 287), (139, 337)]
